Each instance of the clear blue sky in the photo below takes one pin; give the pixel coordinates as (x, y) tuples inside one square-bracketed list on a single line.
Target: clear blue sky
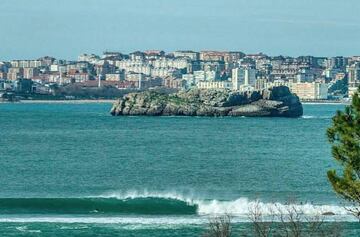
[(66, 28)]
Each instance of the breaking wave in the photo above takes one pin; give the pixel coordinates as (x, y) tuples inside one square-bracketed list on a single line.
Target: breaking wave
[(238, 207), (140, 205), (155, 204), (315, 117)]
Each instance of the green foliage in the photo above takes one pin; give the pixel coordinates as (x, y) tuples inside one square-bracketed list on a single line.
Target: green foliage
[(219, 227), (340, 87), (344, 135), (177, 100)]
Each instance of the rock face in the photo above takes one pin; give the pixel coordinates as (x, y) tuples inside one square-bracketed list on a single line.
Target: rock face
[(274, 102)]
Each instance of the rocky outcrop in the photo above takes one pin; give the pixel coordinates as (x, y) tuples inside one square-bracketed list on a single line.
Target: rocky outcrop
[(275, 102)]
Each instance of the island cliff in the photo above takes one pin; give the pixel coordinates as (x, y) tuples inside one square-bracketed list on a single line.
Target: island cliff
[(273, 102)]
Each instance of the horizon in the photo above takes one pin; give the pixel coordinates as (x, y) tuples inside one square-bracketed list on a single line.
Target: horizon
[(64, 30)]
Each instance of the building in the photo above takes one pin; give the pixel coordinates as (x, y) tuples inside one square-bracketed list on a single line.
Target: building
[(193, 56), (243, 77), (337, 62), (178, 63), (151, 82), (353, 78), (172, 82), (30, 72), (214, 85), (115, 76), (165, 72), (154, 54), (3, 75), (14, 73), (47, 61), (78, 76), (205, 76), (91, 58), (26, 63), (310, 90), (137, 56), (217, 66), (23, 86), (135, 66), (189, 79), (221, 56), (278, 82), (261, 83), (107, 55), (305, 75), (6, 85), (134, 76), (211, 56), (212, 75), (199, 76)]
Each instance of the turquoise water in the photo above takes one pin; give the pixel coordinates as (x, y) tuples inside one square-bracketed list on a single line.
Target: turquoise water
[(72, 169)]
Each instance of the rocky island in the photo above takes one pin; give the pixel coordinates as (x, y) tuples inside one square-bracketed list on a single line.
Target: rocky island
[(273, 102)]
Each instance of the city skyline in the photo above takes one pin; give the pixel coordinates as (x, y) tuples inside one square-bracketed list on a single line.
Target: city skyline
[(103, 52), (321, 28), (311, 78)]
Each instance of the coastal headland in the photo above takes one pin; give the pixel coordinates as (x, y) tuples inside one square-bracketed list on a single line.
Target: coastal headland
[(272, 102)]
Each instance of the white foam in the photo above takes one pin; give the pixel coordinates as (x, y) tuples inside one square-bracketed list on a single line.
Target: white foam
[(238, 207), (25, 229), (243, 206), (307, 117), (139, 222), (315, 117), (147, 194)]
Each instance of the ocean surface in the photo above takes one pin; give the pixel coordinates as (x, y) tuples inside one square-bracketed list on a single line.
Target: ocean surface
[(74, 170)]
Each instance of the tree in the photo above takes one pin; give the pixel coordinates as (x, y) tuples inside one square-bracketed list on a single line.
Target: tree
[(344, 135), (277, 220), (290, 221), (219, 227)]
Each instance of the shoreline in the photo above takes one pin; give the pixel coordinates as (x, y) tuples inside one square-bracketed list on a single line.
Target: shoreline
[(325, 102), (90, 101), (85, 101)]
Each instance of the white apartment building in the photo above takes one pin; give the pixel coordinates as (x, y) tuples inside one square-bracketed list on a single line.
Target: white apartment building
[(135, 77), (199, 76), (189, 79), (26, 63), (91, 58), (123, 64), (164, 72), (243, 77), (354, 78), (114, 77), (187, 54), (205, 75), (214, 84), (178, 63)]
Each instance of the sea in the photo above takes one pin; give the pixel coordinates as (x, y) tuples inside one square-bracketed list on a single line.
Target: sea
[(75, 170)]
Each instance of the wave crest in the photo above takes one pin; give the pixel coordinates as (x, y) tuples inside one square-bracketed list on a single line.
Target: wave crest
[(99, 205), (152, 203), (238, 207)]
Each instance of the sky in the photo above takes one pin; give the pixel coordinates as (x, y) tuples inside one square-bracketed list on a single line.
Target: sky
[(66, 28)]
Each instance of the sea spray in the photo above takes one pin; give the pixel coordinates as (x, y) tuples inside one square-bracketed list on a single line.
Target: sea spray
[(237, 207)]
